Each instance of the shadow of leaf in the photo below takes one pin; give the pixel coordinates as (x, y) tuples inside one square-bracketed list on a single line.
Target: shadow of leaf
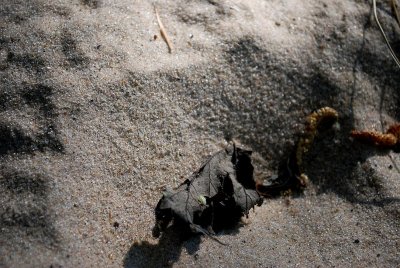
[(163, 254)]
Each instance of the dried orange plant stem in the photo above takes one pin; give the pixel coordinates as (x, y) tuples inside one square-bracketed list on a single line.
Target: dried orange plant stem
[(312, 123), (389, 139), (163, 32), (295, 168)]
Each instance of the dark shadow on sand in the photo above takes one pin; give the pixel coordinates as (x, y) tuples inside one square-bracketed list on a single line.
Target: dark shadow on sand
[(27, 214), (14, 140), (166, 252), (176, 237)]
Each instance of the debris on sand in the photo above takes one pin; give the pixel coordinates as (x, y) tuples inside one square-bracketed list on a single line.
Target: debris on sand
[(390, 139), (163, 31), (219, 193), (293, 175)]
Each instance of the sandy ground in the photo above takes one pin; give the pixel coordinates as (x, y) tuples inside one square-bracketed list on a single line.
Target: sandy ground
[(96, 118)]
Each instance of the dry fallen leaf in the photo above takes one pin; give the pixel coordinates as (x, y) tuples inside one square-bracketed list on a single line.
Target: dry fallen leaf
[(217, 194)]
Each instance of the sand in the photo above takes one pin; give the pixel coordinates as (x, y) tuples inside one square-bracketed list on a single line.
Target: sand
[(96, 118)]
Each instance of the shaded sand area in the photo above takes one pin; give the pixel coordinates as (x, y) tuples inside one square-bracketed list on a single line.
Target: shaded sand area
[(96, 118)]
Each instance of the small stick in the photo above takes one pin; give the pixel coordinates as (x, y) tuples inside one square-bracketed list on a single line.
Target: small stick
[(163, 32)]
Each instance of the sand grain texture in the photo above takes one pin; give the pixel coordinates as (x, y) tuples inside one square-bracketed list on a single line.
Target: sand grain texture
[(96, 117)]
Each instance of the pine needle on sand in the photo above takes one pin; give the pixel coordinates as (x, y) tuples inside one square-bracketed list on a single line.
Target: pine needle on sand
[(164, 34)]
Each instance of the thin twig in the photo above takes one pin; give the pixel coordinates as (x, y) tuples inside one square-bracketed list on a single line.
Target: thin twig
[(163, 32), (384, 35)]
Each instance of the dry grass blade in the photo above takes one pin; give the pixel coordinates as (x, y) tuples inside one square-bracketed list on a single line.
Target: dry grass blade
[(384, 35), (394, 9), (163, 32)]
